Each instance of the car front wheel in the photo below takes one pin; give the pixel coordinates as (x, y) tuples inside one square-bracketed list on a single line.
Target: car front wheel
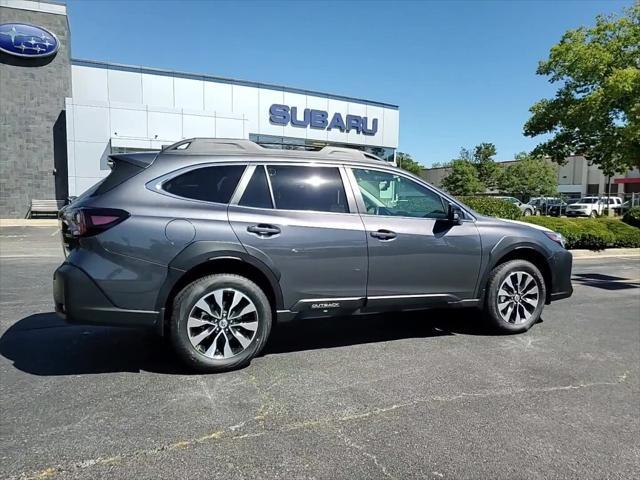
[(516, 294), (220, 322)]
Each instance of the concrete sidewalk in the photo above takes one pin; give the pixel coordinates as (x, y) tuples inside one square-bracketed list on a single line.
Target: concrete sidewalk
[(610, 253), (28, 222)]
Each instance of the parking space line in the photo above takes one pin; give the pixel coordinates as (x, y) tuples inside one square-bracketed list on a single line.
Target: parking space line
[(26, 255)]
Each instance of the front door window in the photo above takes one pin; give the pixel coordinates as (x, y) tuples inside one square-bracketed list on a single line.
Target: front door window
[(388, 194)]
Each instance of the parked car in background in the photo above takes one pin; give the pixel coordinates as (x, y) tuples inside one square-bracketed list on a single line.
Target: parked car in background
[(525, 208), (560, 208), (211, 241), (615, 203), (626, 206), (542, 205), (593, 206)]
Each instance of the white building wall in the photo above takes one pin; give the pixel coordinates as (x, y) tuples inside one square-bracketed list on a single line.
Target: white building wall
[(136, 108), (94, 127)]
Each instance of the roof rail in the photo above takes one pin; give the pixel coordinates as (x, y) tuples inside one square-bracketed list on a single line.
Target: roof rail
[(350, 154), (214, 146), (230, 146)]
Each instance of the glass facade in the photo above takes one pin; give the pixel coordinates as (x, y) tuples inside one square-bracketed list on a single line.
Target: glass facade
[(115, 150), (289, 143)]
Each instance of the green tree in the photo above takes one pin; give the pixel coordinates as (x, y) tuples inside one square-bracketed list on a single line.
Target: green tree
[(529, 177), (488, 169), (596, 110), (463, 179), (406, 162), (440, 164)]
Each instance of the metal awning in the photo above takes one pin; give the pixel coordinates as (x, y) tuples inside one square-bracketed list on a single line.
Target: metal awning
[(627, 180)]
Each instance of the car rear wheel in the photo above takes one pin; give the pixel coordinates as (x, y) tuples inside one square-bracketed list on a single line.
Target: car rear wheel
[(220, 322), (516, 294), (527, 213)]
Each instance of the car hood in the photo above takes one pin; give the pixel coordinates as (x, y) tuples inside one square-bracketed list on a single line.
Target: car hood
[(532, 225)]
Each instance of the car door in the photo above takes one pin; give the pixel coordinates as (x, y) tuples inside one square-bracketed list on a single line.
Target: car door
[(416, 256), (303, 223)]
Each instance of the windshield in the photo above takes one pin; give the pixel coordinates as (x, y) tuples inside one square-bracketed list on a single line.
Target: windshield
[(588, 200)]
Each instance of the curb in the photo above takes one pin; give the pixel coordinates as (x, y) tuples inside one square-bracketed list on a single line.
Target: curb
[(28, 222), (611, 253)]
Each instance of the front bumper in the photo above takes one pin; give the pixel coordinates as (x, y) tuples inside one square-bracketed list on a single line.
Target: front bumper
[(79, 300), (577, 213), (560, 264)]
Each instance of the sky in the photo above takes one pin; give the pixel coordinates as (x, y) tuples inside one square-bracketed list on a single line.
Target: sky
[(461, 72)]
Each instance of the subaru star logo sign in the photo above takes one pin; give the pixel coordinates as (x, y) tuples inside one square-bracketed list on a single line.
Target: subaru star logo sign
[(24, 40)]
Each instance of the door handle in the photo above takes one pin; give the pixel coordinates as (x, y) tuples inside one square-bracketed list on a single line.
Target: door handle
[(264, 230), (384, 235)]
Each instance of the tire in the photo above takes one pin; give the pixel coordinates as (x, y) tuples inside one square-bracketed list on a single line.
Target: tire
[(522, 315), (593, 214), (527, 213), (194, 329)]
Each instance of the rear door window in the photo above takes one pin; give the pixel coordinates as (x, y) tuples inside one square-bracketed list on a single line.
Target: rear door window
[(308, 188), (210, 184)]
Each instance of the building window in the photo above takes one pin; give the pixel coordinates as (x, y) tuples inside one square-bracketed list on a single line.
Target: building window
[(592, 189), (115, 150), (289, 143)]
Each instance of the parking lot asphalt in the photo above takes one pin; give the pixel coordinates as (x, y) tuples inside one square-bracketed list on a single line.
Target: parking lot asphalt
[(421, 395)]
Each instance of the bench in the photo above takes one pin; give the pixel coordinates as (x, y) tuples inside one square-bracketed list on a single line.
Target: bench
[(45, 207)]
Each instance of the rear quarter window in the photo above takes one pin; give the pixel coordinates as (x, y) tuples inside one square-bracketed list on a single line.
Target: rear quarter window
[(209, 184)]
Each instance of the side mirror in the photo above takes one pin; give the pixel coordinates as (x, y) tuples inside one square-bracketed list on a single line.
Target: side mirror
[(454, 215)]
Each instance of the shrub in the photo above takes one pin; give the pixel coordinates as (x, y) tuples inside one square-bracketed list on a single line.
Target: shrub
[(592, 234), (494, 207), (624, 235), (632, 217)]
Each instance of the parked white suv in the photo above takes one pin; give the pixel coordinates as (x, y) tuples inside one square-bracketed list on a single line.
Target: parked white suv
[(525, 208), (593, 206)]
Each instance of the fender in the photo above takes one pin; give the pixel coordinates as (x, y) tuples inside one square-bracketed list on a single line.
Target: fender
[(202, 252), (503, 247)]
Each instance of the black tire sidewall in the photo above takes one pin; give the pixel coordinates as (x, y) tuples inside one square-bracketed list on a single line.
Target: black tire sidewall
[(496, 278), (188, 297)]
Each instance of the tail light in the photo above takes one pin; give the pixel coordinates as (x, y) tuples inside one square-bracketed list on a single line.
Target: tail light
[(85, 222)]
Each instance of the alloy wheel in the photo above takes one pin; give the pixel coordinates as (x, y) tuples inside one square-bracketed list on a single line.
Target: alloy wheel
[(222, 323), (518, 297)]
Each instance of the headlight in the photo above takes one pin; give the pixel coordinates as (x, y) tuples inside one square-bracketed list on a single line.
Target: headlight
[(557, 237)]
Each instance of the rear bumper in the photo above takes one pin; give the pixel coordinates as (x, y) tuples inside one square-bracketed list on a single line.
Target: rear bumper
[(560, 264), (80, 301)]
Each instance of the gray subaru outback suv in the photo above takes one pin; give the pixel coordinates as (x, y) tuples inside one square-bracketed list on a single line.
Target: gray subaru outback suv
[(211, 241)]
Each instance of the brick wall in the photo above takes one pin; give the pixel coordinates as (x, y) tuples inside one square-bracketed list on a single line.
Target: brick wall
[(32, 144)]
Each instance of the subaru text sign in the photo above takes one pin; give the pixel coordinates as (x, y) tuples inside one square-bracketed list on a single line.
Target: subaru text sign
[(321, 120), (22, 40)]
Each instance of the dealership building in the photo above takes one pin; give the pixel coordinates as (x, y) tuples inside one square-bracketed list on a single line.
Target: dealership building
[(62, 117)]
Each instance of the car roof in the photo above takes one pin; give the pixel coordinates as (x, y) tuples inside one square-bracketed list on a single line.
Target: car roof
[(223, 148)]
